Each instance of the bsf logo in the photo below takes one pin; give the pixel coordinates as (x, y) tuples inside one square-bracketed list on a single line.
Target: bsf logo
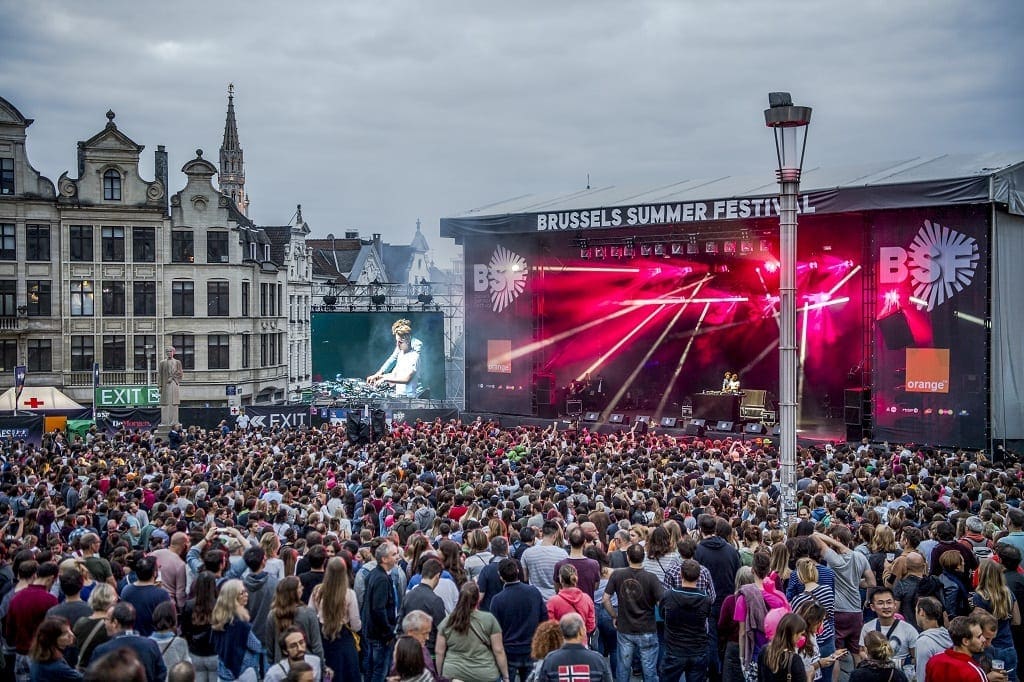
[(941, 263), (504, 277)]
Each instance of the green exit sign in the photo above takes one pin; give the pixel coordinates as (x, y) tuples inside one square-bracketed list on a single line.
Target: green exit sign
[(127, 396)]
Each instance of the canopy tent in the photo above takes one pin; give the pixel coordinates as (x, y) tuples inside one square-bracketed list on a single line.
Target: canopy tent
[(38, 399)]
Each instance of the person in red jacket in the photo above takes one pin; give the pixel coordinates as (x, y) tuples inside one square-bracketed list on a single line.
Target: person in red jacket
[(28, 609), (956, 664), (570, 599)]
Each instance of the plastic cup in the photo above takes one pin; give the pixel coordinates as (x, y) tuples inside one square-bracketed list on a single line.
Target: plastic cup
[(998, 664)]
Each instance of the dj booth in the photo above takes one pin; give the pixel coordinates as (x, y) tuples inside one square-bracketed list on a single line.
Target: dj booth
[(724, 406)]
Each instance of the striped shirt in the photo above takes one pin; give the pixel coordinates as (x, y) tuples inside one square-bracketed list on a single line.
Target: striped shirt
[(824, 594)]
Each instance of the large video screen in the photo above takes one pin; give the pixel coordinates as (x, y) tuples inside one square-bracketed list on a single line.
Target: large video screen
[(358, 344)]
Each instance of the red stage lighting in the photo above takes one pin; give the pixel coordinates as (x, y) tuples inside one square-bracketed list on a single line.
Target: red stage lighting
[(729, 247), (691, 249), (746, 246), (586, 253), (646, 249), (677, 249), (771, 266), (616, 252), (600, 252), (659, 249), (764, 246), (711, 247), (628, 251)]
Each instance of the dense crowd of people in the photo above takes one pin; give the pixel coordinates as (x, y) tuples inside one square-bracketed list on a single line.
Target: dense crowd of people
[(468, 551)]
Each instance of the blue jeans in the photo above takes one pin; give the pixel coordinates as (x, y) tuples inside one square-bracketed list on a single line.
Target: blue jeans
[(685, 665), (647, 646), (378, 660), (519, 668), (827, 647), (607, 637)]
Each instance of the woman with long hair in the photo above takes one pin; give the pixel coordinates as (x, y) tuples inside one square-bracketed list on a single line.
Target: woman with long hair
[(469, 645), (877, 665), (414, 549), (995, 597), (813, 614), (338, 613), (729, 630), (883, 552), (238, 648), (289, 558), (660, 556), (196, 616), (780, 661), (479, 556), (451, 559), (409, 664), (90, 631), (53, 636), (779, 565), (287, 610), (271, 544)]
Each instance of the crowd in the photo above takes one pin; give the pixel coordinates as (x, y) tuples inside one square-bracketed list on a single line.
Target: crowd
[(468, 551)]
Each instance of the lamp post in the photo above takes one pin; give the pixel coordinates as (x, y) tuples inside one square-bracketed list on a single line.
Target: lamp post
[(149, 367), (789, 123)]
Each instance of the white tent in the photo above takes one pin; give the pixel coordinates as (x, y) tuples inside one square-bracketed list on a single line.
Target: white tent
[(38, 399)]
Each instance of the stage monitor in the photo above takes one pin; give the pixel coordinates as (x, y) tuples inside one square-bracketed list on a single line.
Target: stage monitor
[(702, 423), (694, 429), (668, 422), (724, 426), (644, 419), (619, 419), (573, 407), (591, 416), (358, 344), (755, 428)]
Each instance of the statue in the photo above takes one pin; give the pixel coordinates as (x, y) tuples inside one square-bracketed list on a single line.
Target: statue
[(171, 373)]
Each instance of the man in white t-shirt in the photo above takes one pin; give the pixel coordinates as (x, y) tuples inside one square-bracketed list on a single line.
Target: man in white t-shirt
[(902, 635)]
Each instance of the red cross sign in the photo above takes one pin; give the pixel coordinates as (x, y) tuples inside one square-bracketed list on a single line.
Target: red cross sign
[(34, 403)]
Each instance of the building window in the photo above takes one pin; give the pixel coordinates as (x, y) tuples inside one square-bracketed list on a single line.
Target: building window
[(252, 251), (83, 353), (280, 299), (112, 185), (39, 298), (246, 350), (217, 247), (266, 253), (113, 299), (37, 242), (8, 244), (218, 302), (183, 299), (182, 250), (245, 299), (82, 303), (40, 355), (264, 350), (185, 349), (218, 351), (144, 299), (143, 345), (8, 354), (114, 353), (263, 300), (112, 244), (6, 176), (144, 244), (8, 291), (80, 243)]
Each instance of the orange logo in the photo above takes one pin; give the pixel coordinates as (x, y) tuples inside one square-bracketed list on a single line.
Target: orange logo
[(928, 370), (499, 356)]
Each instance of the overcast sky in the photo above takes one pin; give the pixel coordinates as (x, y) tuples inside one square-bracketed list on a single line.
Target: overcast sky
[(372, 114)]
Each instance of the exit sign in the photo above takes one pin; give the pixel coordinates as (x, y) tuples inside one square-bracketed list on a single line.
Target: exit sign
[(127, 396)]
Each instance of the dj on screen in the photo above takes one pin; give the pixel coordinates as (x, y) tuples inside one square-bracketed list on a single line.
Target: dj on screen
[(401, 369)]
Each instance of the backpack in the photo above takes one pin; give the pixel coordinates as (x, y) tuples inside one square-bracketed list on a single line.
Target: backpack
[(981, 551), (930, 586)]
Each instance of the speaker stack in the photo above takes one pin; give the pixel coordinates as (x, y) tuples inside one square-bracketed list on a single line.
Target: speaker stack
[(857, 413)]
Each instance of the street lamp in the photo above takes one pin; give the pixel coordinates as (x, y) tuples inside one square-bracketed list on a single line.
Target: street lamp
[(149, 367), (789, 123)]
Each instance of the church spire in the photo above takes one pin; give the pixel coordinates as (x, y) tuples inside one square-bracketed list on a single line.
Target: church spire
[(232, 165)]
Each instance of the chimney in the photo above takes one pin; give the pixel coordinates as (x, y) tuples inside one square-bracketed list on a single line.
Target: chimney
[(160, 170), (351, 234)]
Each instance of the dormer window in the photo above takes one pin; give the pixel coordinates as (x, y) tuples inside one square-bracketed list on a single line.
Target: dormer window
[(112, 185), (252, 250), (266, 253)]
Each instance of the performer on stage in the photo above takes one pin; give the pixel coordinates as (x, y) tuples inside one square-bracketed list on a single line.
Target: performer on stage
[(726, 381), (734, 383), (401, 369)]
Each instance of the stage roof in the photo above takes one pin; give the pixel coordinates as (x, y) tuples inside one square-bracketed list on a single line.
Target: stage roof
[(996, 177)]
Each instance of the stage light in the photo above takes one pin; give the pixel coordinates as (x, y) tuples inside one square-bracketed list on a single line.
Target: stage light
[(710, 247), (378, 299), (646, 249), (771, 266), (628, 251), (692, 249), (659, 249), (892, 298), (746, 247), (677, 249), (600, 252), (425, 299), (586, 253), (729, 247), (616, 251), (919, 302), (764, 246), (813, 265)]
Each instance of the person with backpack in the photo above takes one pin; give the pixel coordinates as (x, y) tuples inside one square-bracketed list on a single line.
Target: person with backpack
[(974, 539), (955, 595), (901, 635), (638, 592), (685, 610), (909, 588)]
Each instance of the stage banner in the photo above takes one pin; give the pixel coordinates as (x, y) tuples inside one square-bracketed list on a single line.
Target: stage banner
[(28, 428), (113, 420), (931, 335), (499, 324), (272, 416)]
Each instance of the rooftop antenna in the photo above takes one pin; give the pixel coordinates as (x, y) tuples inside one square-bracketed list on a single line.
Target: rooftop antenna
[(588, 180)]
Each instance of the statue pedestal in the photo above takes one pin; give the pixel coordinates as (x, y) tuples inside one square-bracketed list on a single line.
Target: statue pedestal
[(162, 431)]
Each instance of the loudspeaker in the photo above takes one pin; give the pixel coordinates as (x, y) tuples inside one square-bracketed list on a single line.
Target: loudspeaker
[(357, 431), (543, 382), (644, 419), (591, 416), (702, 423), (641, 428), (694, 429), (546, 411), (896, 331), (668, 422), (851, 416), (776, 430), (545, 397), (755, 428), (753, 397), (619, 419), (724, 426), (378, 424), (573, 407), (854, 432)]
